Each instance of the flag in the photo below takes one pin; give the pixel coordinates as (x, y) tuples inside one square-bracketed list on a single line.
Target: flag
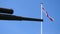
[(43, 9)]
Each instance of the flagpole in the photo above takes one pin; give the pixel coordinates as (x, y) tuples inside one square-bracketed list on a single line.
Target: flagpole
[(41, 18)]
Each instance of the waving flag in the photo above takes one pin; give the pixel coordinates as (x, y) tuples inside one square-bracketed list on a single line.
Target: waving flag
[(43, 9)]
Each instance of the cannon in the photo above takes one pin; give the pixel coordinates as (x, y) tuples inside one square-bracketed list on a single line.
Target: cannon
[(8, 16)]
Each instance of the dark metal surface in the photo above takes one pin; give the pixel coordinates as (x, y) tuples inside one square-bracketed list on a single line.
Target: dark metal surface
[(5, 10), (13, 17)]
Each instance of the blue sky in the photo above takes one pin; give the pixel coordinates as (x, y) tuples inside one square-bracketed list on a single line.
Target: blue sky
[(31, 8)]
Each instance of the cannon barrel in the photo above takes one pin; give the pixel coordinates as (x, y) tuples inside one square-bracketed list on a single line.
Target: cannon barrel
[(13, 17)]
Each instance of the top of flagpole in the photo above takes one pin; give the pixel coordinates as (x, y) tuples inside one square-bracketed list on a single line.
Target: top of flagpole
[(41, 10)]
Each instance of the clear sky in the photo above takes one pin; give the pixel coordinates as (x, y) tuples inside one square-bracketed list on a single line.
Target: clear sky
[(31, 8)]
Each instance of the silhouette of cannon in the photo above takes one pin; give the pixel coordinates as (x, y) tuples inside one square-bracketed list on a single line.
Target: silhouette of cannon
[(13, 17), (8, 16)]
